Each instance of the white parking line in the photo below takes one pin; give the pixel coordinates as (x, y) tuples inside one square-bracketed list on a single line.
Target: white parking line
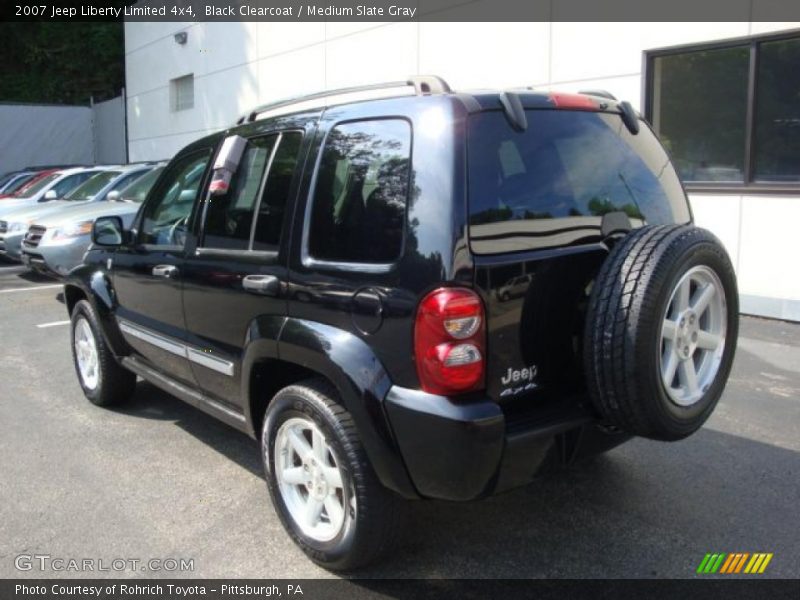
[(32, 289), (53, 324)]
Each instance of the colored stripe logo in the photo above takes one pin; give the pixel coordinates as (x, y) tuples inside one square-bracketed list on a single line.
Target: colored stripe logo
[(734, 563)]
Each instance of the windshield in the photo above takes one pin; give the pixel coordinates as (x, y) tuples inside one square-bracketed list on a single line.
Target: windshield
[(90, 187), (18, 183), (551, 184), (6, 178), (137, 191), (34, 189)]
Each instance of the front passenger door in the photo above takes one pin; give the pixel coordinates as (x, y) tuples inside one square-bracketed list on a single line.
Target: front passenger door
[(147, 274), (235, 282)]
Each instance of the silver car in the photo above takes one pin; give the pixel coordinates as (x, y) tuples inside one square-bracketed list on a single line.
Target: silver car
[(55, 244), (94, 189)]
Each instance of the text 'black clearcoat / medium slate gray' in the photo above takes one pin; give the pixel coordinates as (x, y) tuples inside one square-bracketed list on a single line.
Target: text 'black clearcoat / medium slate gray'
[(406, 292)]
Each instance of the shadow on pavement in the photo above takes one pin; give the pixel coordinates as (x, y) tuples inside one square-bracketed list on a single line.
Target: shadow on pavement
[(646, 509)]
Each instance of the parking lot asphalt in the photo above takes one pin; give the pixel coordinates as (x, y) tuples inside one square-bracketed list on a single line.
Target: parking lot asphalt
[(159, 479)]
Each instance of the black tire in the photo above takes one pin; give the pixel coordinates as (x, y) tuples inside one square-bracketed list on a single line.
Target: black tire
[(371, 530), (115, 384), (622, 342)]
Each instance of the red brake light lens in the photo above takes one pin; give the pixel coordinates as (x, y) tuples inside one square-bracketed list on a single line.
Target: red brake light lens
[(574, 101), (450, 341)]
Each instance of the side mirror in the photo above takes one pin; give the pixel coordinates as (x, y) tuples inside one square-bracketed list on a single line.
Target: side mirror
[(113, 196), (108, 231), (50, 195)]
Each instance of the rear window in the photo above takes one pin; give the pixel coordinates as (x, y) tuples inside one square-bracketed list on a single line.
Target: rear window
[(551, 184)]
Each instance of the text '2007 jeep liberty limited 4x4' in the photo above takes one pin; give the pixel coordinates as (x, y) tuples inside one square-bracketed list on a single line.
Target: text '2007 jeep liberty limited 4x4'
[(407, 292)]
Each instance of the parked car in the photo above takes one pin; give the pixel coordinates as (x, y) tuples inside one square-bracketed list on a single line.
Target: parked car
[(401, 374), (47, 187), (514, 287), (22, 189), (94, 189), (56, 243)]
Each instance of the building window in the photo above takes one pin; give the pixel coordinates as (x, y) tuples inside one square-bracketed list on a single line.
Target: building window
[(181, 93), (729, 113)]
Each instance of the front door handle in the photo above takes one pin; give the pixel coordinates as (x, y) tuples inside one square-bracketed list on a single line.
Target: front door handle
[(268, 285), (166, 271)]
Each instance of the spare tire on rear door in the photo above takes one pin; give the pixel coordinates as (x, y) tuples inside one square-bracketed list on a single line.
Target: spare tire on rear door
[(661, 331)]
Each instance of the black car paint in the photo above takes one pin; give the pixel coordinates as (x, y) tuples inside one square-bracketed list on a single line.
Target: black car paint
[(353, 324)]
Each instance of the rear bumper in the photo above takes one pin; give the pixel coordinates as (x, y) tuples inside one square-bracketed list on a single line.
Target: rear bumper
[(464, 450)]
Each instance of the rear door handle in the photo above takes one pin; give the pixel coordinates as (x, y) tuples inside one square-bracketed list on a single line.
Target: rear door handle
[(268, 285), (166, 271)]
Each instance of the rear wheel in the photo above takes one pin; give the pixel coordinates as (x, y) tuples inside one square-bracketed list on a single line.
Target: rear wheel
[(661, 331), (103, 380), (322, 485)]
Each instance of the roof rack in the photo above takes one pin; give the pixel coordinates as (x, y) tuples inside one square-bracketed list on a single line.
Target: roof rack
[(424, 85)]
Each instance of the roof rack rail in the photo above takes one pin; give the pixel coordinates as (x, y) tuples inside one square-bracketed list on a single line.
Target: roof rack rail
[(424, 85), (599, 94)]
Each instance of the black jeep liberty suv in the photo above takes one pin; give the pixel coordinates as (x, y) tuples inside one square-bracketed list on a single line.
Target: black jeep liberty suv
[(408, 292)]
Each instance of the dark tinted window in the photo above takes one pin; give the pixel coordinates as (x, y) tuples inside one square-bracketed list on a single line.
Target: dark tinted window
[(168, 208), (272, 210), (229, 218), (777, 118), (699, 107), (559, 176), (359, 204)]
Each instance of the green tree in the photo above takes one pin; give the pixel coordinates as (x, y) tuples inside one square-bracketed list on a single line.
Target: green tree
[(61, 63)]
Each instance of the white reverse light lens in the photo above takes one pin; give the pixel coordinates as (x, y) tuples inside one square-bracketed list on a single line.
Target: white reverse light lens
[(463, 354)]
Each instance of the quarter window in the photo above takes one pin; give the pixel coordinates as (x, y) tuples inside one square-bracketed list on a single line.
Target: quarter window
[(359, 204)]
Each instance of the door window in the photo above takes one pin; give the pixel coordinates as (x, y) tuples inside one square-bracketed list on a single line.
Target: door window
[(165, 216), (250, 215), (229, 217), (272, 209)]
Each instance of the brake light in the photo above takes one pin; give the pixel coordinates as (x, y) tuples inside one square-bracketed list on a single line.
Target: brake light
[(574, 101), (450, 341)]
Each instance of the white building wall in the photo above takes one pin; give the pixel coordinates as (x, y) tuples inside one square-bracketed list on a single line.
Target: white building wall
[(239, 65)]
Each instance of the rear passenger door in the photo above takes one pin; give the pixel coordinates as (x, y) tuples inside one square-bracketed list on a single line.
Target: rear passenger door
[(235, 280), (346, 258)]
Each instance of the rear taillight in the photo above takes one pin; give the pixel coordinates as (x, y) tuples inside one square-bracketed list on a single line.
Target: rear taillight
[(573, 101), (450, 341)]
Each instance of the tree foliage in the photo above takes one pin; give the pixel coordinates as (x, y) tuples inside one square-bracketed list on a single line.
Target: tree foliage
[(61, 63)]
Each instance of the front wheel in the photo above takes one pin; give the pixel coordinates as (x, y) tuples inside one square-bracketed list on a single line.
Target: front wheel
[(103, 381), (323, 488)]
